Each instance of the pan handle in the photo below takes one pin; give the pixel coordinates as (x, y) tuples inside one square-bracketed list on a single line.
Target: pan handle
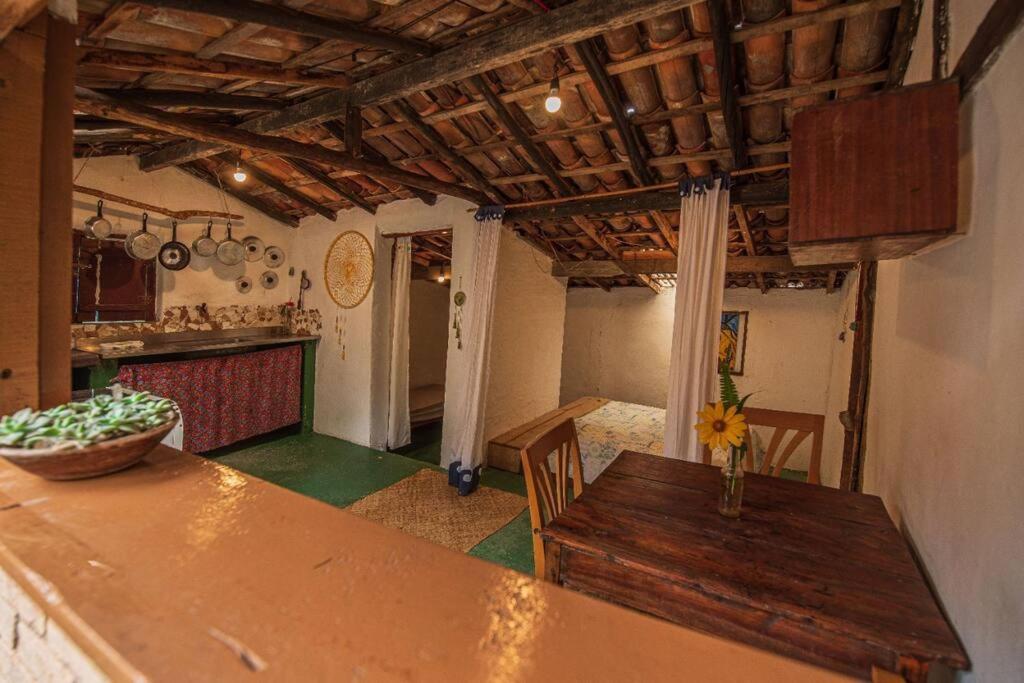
[(229, 229), (99, 208), (145, 219), (209, 227), (174, 230)]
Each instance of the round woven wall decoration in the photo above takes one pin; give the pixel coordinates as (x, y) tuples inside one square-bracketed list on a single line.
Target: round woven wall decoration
[(348, 269)]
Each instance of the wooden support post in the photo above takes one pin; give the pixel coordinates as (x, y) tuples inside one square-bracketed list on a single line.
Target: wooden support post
[(860, 375), (354, 130), (727, 81), (1004, 17), (36, 128)]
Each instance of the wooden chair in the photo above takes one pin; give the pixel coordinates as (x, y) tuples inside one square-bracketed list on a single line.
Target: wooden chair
[(802, 425), (548, 492)]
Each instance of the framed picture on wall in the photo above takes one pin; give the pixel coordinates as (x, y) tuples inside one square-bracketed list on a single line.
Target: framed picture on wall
[(733, 341)]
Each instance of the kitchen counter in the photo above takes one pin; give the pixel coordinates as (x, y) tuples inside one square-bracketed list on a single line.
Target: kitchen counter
[(180, 568), (170, 343)]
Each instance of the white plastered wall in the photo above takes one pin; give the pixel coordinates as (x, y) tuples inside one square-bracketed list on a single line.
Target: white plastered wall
[(526, 338), (945, 423), (617, 345), (205, 280), (428, 332)]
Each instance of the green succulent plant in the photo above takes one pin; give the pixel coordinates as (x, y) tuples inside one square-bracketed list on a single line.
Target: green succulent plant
[(82, 423)]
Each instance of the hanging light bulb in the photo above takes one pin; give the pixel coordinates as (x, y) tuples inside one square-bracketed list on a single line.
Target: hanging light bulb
[(239, 175), (553, 102)]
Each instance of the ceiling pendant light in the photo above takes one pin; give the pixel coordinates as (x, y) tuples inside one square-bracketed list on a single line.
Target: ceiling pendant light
[(239, 175), (553, 102)]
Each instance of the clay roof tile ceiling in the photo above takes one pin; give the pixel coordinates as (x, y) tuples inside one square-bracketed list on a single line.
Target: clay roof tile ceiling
[(192, 58)]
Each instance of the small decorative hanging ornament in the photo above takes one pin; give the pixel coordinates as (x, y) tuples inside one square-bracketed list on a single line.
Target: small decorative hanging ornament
[(460, 300)]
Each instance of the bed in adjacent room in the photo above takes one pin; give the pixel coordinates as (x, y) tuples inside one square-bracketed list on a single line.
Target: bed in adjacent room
[(605, 429)]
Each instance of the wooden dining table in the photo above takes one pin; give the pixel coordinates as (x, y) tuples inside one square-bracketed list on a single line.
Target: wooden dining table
[(807, 571)]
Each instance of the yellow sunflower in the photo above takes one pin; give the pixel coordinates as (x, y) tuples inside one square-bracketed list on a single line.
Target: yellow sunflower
[(719, 427)]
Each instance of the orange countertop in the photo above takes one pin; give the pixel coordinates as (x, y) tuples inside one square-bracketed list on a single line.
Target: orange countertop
[(171, 568)]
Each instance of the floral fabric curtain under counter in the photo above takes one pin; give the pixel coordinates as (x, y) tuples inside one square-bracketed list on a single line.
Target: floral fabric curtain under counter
[(226, 399)]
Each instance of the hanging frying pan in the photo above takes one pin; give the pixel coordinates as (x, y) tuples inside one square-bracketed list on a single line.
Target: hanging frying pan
[(204, 245), (254, 248), (97, 226), (174, 255), (142, 245), (230, 251)]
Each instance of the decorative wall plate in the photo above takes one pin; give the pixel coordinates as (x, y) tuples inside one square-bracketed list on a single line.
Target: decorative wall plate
[(273, 257), (243, 284), (253, 247), (348, 269), (269, 279)]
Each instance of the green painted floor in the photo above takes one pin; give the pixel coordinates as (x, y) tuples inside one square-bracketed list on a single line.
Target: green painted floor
[(340, 473)]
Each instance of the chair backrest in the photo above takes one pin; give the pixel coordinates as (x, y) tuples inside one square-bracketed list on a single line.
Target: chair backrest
[(547, 491), (779, 449)]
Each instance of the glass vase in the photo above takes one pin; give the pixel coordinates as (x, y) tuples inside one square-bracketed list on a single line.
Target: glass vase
[(730, 491)]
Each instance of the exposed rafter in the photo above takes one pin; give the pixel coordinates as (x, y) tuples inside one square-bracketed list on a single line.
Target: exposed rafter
[(727, 81), (177, 64), (660, 266), (313, 171), (337, 131), (287, 19), (257, 203), (279, 186), (581, 20), (197, 100), (468, 171), (775, 193), (107, 107)]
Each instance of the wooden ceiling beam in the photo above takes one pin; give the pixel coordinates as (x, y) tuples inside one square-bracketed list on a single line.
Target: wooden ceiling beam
[(293, 21), (313, 171), (260, 205), (337, 131), (613, 103), (727, 81), (179, 64), (658, 266), (279, 185), (1001, 21), (761, 194), (748, 241), (533, 152), (581, 20), (197, 100), (176, 124), (442, 149)]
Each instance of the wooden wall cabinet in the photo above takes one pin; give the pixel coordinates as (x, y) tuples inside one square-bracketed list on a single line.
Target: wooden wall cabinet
[(874, 178)]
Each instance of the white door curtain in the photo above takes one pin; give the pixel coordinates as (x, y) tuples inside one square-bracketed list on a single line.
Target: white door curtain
[(399, 431), (464, 426), (700, 280)]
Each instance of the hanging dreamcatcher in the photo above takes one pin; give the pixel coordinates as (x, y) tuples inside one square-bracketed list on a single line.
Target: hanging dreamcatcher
[(348, 269), (460, 300)]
